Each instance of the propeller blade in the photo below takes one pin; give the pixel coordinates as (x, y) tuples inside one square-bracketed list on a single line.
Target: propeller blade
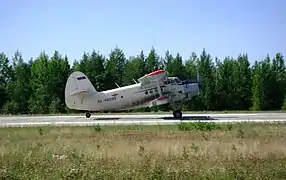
[(197, 72), (199, 80)]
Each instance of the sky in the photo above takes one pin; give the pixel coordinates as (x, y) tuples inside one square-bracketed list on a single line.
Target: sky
[(222, 27)]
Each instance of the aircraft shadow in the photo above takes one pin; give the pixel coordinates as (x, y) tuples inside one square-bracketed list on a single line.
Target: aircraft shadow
[(191, 118), (106, 118), (165, 118)]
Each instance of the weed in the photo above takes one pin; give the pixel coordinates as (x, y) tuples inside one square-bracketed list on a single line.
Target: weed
[(198, 126), (240, 133), (41, 131), (229, 127), (141, 151), (97, 128)]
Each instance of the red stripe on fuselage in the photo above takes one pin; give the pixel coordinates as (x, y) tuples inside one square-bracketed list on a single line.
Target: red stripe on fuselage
[(156, 73)]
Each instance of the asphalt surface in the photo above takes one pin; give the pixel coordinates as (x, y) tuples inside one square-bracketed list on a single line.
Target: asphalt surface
[(138, 119)]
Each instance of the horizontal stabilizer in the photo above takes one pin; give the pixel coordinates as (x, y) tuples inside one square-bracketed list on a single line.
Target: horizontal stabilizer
[(84, 91)]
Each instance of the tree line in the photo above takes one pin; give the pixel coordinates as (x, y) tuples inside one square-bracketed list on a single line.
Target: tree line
[(36, 86)]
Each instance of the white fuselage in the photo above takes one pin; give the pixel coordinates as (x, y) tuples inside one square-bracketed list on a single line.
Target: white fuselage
[(122, 98)]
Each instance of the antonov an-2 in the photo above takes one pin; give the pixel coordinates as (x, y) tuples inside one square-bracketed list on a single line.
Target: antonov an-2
[(153, 89)]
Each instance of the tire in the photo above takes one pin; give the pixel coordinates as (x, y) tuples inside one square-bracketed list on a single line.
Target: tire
[(87, 115), (177, 114)]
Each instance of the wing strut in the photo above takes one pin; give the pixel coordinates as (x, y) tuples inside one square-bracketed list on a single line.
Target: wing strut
[(159, 89)]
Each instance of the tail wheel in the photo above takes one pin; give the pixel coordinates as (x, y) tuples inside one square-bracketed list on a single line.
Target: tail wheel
[(87, 115), (177, 114)]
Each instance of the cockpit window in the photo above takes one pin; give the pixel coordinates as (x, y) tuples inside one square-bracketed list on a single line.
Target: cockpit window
[(167, 82), (177, 81), (172, 81)]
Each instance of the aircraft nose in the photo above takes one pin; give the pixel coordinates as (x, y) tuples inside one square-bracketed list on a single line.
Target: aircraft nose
[(191, 88)]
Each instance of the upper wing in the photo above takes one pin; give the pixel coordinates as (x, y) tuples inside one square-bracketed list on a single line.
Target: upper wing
[(150, 80)]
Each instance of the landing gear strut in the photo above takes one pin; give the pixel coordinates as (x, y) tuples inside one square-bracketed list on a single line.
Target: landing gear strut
[(87, 115), (177, 114)]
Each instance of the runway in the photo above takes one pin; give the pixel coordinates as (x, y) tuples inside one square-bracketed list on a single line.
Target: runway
[(151, 119)]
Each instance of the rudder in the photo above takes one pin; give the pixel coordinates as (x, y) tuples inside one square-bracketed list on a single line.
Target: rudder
[(78, 86)]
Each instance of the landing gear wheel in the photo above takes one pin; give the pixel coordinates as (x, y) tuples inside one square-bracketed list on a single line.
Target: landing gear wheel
[(177, 114), (87, 115)]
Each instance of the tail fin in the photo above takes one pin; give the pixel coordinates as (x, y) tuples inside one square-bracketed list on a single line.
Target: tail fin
[(78, 86)]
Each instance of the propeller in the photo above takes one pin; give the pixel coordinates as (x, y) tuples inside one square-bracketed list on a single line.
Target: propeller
[(198, 77), (197, 72)]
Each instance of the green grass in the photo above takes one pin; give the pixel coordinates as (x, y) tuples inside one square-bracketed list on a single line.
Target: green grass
[(184, 151)]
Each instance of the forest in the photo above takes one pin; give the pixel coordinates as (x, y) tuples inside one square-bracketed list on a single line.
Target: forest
[(36, 85)]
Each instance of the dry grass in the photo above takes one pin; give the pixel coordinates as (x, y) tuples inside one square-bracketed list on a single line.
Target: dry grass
[(240, 152)]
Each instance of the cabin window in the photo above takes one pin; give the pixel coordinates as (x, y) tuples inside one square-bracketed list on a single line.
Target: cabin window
[(180, 91), (121, 96), (146, 92), (151, 92)]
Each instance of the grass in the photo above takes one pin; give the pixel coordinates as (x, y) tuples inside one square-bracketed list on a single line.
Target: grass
[(184, 151)]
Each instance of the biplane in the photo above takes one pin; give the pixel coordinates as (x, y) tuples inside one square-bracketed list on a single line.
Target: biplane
[(153, 89)]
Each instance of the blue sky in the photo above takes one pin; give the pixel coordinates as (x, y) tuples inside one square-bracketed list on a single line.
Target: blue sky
[(223, 27)]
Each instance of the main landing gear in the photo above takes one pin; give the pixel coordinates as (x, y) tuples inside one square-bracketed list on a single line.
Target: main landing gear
[(177, 114), (87, 115)]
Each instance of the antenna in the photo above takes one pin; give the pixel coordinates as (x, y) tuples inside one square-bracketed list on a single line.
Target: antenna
[(117, 85), (134, 81)]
